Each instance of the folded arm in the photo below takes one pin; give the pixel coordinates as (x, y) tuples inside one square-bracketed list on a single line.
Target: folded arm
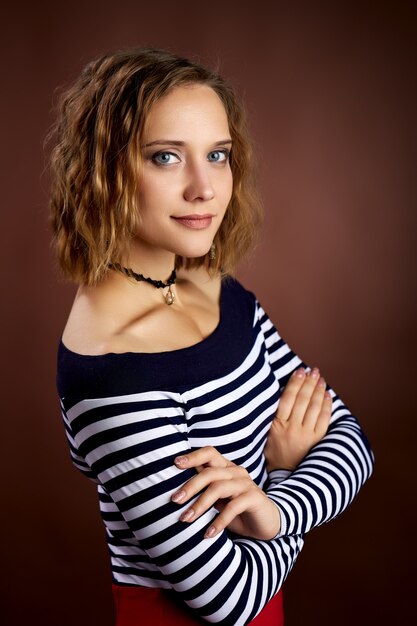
[(129, 443), (331, 474)]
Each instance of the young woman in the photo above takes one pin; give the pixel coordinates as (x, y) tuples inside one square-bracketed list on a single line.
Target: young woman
[(214, 448)]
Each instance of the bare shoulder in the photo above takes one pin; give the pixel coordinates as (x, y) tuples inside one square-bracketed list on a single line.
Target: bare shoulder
[(123, 317), (87, 326)]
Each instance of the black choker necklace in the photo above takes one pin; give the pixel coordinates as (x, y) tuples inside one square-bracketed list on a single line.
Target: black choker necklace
[(159, 284)]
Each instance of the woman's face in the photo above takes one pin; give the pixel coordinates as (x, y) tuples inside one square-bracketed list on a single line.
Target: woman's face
[(187, 182)]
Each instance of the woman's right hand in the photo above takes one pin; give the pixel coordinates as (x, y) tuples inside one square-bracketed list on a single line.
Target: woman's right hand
[(243, 507), (301, 420)]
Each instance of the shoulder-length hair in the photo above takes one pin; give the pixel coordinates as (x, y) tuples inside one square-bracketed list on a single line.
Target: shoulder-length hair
[(96, 156)]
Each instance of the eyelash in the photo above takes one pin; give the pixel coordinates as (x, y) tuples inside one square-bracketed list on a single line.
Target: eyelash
[(223, 151)]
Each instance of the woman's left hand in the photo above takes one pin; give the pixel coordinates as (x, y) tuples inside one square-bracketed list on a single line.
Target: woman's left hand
[(243, 507), (301, 421)]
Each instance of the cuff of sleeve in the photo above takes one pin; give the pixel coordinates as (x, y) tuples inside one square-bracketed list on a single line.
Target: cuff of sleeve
[(278, 475), (283, 523), (275, 477)]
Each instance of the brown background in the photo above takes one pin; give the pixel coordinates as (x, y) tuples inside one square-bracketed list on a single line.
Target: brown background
[(331, 95)]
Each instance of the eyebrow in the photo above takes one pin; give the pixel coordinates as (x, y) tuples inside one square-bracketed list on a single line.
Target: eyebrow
[(173, 142)]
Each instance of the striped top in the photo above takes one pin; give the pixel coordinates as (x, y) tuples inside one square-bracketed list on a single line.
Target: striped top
[(127, 416)]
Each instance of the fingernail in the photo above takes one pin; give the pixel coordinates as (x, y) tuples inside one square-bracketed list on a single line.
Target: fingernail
[(300, 372), (314, 373), (210, 532), (177, 497), (327, 395), (322, 382), (187, 515), (181, 460)]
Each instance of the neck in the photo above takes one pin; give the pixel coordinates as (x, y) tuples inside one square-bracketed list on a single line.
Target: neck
[(149, 261)]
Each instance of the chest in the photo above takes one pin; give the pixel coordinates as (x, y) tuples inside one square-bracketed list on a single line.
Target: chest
[(169, 328), (233, 413)]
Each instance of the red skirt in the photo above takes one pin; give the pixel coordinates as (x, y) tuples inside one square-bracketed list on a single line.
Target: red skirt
[(137, 606)]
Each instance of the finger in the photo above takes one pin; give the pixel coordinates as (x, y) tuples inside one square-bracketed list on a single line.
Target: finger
[(208, 455), (288, 396), (304, 396), (315, 405), (219, 490), (323, 419), (205, 478), (228, 514), (231, 510)]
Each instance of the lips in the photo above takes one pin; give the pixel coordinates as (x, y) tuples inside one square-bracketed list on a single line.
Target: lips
[(197, 222)]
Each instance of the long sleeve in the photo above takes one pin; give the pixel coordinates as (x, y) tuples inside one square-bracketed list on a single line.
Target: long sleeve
[(332, 473), (128, 443)]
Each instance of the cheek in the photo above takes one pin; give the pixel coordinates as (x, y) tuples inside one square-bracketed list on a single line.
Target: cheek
[(153, 193), (228, 187)]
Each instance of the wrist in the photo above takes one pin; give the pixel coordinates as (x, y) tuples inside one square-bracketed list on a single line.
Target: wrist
[(275, 521)]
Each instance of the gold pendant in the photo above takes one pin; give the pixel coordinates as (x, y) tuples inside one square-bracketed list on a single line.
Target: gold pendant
[(169, 298)]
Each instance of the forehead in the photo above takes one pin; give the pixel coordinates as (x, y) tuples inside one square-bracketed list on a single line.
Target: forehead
[(185, 111)]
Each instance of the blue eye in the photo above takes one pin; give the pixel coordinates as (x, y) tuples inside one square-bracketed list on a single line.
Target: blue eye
[(218, 156), (165, 158)]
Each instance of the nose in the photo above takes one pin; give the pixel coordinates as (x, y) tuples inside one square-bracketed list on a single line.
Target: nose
[(198, 184)]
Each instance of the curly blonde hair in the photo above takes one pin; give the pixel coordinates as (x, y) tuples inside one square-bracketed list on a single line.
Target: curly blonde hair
[(95, 156)]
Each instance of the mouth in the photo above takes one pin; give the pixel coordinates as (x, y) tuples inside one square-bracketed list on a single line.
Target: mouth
[(197, 222)]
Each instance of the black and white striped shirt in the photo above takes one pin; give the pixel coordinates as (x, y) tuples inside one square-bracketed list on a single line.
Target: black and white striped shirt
[(127, 416)]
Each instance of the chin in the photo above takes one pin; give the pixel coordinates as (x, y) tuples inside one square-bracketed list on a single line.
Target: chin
[(193, 252)]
